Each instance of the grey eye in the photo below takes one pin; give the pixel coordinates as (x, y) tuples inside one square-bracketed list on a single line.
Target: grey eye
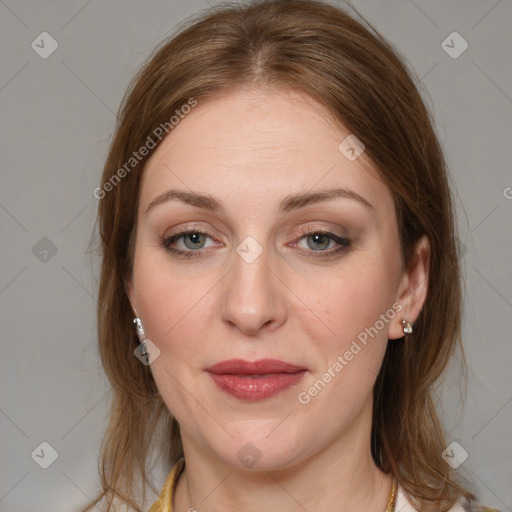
[(196, 240)]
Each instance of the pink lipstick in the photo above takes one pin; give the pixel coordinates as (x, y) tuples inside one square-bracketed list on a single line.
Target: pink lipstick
[(255, 380)]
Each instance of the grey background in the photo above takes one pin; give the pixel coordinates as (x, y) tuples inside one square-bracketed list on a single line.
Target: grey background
[(57, 119)]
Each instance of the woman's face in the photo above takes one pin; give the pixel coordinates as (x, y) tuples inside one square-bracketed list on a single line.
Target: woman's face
[(261, 282)]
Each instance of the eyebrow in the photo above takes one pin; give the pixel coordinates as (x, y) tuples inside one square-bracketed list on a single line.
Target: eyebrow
[(291, 202)]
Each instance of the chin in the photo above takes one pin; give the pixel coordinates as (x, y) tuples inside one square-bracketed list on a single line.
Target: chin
[(258, 448)]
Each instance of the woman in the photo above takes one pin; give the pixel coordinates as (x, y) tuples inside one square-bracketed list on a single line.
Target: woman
[(280, 285)]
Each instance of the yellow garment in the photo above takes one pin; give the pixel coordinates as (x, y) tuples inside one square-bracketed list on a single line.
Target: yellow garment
[(164, 502)]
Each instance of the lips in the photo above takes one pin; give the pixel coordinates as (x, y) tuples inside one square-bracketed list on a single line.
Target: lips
[(255, 380), (261, 367)]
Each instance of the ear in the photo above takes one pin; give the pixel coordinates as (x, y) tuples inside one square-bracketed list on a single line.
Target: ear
[(413, 287)]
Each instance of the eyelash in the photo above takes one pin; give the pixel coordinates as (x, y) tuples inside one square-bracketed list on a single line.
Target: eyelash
[(344, 243)]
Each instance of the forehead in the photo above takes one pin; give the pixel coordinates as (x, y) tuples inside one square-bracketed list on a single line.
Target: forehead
[(256, 143)]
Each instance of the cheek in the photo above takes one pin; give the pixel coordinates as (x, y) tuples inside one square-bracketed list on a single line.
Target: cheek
[(348, 340), (175, 309), (343, 304), (175, 306)]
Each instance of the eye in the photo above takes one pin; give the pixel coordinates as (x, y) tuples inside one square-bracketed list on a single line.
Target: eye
[(318, 240), (189, 243)]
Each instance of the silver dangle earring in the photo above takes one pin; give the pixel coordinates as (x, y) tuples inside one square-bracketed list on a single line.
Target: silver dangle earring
[(406, 326), (139, 329), (142, 351), (147, 351)]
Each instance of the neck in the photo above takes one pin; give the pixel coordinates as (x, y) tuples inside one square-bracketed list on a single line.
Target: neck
[(341, 477)]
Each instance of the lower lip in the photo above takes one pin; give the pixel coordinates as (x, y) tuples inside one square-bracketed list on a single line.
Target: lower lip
[(256, 387)]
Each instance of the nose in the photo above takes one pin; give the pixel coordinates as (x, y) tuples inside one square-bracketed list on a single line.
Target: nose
[(253, 296)]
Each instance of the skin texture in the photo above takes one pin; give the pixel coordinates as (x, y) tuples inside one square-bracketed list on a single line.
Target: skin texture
[(249, 150)]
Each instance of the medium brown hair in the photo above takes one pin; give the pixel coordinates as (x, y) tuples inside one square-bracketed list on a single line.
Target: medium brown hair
[(326, 54)]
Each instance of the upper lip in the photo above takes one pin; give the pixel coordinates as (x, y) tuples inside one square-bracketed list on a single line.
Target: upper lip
[(260, 367)]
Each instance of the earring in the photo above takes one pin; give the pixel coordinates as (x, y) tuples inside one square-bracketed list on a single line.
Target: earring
[(142, 352), (139, 329), (406, 326)]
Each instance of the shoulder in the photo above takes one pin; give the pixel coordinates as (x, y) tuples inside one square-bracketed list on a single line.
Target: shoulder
[(462, 505)]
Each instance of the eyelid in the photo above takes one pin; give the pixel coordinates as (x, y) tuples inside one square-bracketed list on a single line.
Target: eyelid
[(310, 229), (193, 228)]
